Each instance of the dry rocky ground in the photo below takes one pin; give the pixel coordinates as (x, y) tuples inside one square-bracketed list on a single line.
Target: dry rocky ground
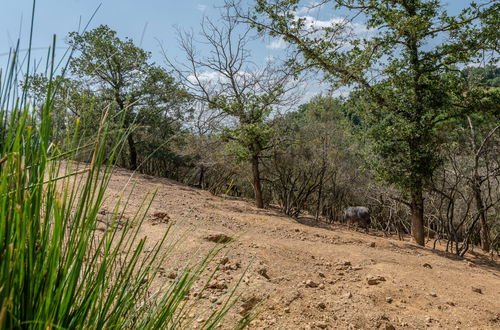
[(298, 274)]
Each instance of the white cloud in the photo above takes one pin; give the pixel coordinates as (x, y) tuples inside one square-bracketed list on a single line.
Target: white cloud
[(201, 7), (206, 77), (270, 58), (314, 24), (277, 44), (312, 7)]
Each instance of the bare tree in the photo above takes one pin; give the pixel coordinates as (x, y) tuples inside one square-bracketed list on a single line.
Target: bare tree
[(218, 72)]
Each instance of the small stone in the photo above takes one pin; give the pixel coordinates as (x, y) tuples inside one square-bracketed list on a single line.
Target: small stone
[(321, 275), (321, 286), (263, 273), (213, 299), (478, 290), (374, 280), (372, 244), (428, 319), (321, 325), (451, 303), (172, 275), (287, 310), (219, 285), (388, 300), (224, 260), (348, 295), (321, 305), (311, 284), (389, 326), (426, 265), (433, 294)]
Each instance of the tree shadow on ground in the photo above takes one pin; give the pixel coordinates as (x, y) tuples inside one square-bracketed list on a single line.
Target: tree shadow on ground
[(475, 259)]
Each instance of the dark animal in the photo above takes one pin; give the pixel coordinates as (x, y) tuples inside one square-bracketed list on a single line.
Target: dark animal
[(358, 216)]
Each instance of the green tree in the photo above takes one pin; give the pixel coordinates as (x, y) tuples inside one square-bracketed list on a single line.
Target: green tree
[(415, 47), (228, 82), (124, 74)]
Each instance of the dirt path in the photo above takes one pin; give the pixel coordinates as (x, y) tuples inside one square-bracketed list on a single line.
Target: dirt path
[(307, 277)]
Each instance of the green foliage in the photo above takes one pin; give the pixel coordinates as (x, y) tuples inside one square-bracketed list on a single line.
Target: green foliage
[(416, 46), (57, 270), (119, 72)]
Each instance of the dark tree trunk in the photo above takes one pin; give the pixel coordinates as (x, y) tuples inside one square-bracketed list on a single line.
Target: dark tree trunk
[(417, 216), (257, 187), (133, 152), (485, 232), (201, 178), (130, 137)]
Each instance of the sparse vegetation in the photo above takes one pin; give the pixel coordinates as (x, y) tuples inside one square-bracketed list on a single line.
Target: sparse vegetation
[(402, 121)]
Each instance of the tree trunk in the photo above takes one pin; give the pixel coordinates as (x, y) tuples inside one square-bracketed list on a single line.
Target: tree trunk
[(485, 232), (202, 177), (257, 187), (133, 152), (417, 216)]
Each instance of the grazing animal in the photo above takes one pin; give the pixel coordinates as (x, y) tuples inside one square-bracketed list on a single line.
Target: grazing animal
[(358, 216)]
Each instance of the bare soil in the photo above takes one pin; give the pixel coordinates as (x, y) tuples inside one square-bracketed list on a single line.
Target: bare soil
[(301, 274)]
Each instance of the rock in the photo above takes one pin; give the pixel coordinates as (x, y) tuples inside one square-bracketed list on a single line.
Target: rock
[(248, 305), (388, 300), (213, 299), (321, 325), (451, 303), (428, 319), (374, 280), (219, 238), (321, 305), (372, 244), (348, 295), (172, 275), (321, 286), (311, 284), (224, 260), (433, 294), (321, 275), (287, 310), (478, 290), (426, 265), (389, 326), (263, 272), (219, 285)]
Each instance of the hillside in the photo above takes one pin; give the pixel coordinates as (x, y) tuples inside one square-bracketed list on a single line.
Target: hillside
[(308, 276)]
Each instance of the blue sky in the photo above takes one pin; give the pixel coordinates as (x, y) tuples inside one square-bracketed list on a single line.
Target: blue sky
[(147, 22), (156, 18), (129, 17)]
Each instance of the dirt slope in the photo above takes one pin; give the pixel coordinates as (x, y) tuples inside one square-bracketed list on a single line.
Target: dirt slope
[(305, 276)]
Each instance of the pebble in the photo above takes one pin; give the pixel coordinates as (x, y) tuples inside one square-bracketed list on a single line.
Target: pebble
[(478, 290), (311, 284), (374, 280)]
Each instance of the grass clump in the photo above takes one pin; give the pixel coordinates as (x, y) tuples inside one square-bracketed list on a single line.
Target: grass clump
[(56, 270)]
